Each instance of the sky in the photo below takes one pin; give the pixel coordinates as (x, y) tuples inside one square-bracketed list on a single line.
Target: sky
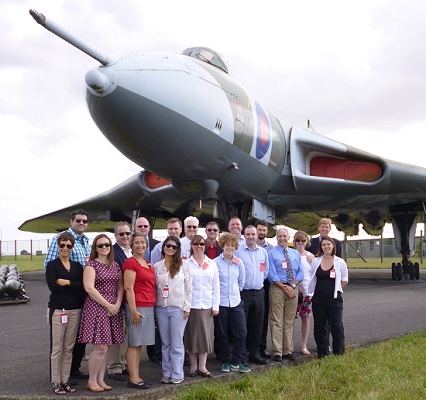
[(356, 70)]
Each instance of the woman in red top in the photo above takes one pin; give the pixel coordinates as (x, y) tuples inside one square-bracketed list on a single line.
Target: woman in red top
[(139, 286)]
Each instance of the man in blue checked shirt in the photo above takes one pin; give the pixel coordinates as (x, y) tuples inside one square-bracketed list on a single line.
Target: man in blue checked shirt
[(81, 251), (255, 259), (285, 273)]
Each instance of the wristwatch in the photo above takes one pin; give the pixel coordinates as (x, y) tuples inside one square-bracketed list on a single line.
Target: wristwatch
[(293, 285)]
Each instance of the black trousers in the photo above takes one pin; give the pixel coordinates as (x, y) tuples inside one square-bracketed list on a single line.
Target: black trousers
[(254, 309), (232, 321), (263, 340), (328, 319)]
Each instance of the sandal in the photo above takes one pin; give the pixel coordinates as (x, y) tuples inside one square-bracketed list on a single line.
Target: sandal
[(192, 373), (58, 389), (206, 374), (305, 352), (68, 388)]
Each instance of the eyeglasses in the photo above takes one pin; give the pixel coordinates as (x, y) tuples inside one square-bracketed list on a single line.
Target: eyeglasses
[(100, 245), (198, 244), (300, 240), (191, 226), (124, 233), (79, 221), (171, 246), (69, 246), (143, 226), (212, 230)]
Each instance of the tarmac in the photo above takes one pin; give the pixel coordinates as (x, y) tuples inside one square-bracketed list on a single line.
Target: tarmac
[(375, 309)]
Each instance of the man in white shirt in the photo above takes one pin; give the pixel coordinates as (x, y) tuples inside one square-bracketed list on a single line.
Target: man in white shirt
[(190, 226)]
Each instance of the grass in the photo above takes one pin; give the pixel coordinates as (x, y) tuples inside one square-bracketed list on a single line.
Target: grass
[(25, 264), (390, 370)]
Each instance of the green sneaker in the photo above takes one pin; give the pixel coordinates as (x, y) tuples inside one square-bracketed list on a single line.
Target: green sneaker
[(240, 368), (226, 367)]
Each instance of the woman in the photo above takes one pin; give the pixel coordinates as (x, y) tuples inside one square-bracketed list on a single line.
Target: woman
[(329, 274), (139, 286), (101, 321), (65, 280), (174, 296), (205, 305), (231, 321), (304, 307)]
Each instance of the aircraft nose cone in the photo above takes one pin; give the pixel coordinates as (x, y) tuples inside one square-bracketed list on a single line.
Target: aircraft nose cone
[(97, 80)]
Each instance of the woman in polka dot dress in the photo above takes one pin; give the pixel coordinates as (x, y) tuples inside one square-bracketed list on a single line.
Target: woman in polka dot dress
[(101, 321)]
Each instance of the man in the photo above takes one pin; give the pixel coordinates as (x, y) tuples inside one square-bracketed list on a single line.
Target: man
[(143, 226), (285, 273), (324, 228), (80, 253), (256, 265), (235, 226), (117, 352), (190, 226), (262, 231), (213, 249), (174, 228)]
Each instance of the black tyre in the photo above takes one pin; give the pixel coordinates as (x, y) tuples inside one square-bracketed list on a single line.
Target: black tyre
[(411, 271), (398, 272), (393, 271), (417, 270)]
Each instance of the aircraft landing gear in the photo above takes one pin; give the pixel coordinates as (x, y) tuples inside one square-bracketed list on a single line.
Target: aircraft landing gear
[(405, 270)]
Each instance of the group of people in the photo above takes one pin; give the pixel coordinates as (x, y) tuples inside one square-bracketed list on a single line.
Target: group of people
[(170, 296)]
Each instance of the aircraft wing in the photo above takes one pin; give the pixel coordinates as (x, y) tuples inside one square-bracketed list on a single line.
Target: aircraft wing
[(155, 197)]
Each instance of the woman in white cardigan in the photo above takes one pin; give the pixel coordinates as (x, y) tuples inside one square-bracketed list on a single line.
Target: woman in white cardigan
[(329, 274)]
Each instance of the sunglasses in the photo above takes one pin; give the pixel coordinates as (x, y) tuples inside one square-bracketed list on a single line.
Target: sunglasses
[(171, 246), (100, 245), (198, 244), (143, 226), (124, 233), (69, 246), (300, 240), (79, 221), (191, 226), (212, 230)]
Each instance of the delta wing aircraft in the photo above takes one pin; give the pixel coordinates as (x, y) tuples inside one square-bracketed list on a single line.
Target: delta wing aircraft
[(209, 148)]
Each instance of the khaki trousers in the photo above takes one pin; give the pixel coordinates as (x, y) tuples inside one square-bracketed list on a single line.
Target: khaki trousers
[(63, 340), (282, 311)]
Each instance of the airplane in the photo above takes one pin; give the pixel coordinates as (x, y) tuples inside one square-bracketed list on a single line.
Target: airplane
[(208, 148)]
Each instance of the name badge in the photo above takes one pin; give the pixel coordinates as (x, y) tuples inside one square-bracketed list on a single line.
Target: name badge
[(262, 266), (284, 264), (64, 318), (236, 260), (204, 265), (332, 273), (165, 292)]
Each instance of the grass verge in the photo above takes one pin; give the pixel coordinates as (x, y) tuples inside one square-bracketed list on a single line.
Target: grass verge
[(395, 369)]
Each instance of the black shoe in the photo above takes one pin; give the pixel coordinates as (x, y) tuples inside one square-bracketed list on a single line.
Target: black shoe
[(289, 356), (72, 381), (277, 358), (156, 362), (258, 361), (140, 385), (265, 354), (117, 377), (125, 371), (79, 375)]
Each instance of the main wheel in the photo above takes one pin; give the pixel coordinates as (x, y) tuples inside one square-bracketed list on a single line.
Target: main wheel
[(398, 272), (393, 271), (417, 270), (411, 271)]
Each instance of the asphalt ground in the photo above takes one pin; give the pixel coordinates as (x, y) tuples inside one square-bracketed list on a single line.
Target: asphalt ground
[(375, 309)]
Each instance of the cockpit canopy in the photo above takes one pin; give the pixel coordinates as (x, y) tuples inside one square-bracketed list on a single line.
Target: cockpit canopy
[(209, 56)]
